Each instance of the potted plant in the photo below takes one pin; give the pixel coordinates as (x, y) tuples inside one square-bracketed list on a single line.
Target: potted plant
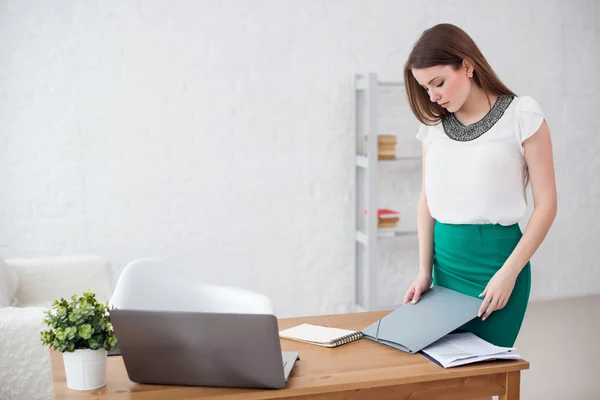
[(81, 330)]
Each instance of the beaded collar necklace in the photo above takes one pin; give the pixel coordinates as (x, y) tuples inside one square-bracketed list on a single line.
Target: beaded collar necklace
[(456, 130)]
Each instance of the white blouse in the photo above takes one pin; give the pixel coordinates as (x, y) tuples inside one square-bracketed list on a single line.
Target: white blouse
[(481, 176)]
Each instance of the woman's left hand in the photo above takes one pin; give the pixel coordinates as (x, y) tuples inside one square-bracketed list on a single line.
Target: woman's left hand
[(497, 292)]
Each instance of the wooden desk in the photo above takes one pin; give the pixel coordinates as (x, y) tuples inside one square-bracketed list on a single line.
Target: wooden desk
[(360, 370)]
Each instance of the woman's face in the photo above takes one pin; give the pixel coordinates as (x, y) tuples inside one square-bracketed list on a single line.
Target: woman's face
[(445, 85)]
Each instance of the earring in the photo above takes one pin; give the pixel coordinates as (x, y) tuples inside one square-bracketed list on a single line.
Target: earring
[(470, 74)]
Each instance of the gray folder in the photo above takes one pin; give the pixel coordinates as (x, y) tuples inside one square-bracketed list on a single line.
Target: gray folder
[(412, 327)]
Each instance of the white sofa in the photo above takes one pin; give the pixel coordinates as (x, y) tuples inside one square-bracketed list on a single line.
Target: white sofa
[(24, 362)]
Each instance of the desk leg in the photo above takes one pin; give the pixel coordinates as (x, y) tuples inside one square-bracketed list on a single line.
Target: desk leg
[(513, 386)]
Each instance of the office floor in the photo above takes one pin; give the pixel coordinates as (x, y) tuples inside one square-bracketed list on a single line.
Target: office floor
[(561, 341)]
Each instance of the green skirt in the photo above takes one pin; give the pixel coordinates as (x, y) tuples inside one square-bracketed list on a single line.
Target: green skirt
[(466, 257)]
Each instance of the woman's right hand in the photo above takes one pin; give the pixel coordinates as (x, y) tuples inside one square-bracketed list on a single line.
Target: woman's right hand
[(418, 287)]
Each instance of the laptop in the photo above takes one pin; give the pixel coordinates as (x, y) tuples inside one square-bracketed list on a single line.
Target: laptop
[(202, 348)]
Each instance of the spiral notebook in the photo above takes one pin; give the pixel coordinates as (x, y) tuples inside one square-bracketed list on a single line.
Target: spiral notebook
[(320, 335)]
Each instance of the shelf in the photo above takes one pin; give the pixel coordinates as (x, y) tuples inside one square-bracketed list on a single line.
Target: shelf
[(362, 237), (391, 83), (397, 233), (403, 158), (362, 82), (363, 161), (367, 91)]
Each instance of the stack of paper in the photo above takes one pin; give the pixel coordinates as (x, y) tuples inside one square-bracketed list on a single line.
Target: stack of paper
[(464, 348)]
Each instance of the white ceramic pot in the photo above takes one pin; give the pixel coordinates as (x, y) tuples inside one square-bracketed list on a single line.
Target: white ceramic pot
[(85, 369)]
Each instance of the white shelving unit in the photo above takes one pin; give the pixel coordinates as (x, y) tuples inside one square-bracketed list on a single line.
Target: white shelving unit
[(367, 235)]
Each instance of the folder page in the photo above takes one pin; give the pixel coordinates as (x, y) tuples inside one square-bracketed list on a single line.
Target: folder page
[(411, 327)]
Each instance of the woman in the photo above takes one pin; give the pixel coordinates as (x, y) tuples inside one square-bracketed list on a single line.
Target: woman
[(482, 145)]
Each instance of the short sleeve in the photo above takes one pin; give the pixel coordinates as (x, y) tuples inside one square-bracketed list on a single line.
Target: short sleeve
[(529, 117), (424, 135)]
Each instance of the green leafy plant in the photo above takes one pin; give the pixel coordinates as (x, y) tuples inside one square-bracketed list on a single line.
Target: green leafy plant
[(82, 323)]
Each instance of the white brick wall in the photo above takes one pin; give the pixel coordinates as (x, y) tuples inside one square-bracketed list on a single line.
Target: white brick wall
[(215, 134)]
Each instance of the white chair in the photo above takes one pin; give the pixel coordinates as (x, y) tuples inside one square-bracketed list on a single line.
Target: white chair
[(24, 362), (150, 284)]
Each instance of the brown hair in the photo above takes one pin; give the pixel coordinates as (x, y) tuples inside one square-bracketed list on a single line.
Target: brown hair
[(446, 44)]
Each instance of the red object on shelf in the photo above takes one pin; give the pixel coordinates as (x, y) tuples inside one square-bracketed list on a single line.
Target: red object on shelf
[(386, 213)]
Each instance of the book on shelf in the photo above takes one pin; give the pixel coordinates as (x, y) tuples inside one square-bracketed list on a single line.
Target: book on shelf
[(386, 146), (387, 232), (464, 348), (384, 139), (320, 335), (386, 151), (387, 139), (387, 223), (385, 213), (386, 218)]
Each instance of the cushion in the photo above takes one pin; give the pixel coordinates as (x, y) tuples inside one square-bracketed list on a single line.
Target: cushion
[(9, 283), (45, 279)]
